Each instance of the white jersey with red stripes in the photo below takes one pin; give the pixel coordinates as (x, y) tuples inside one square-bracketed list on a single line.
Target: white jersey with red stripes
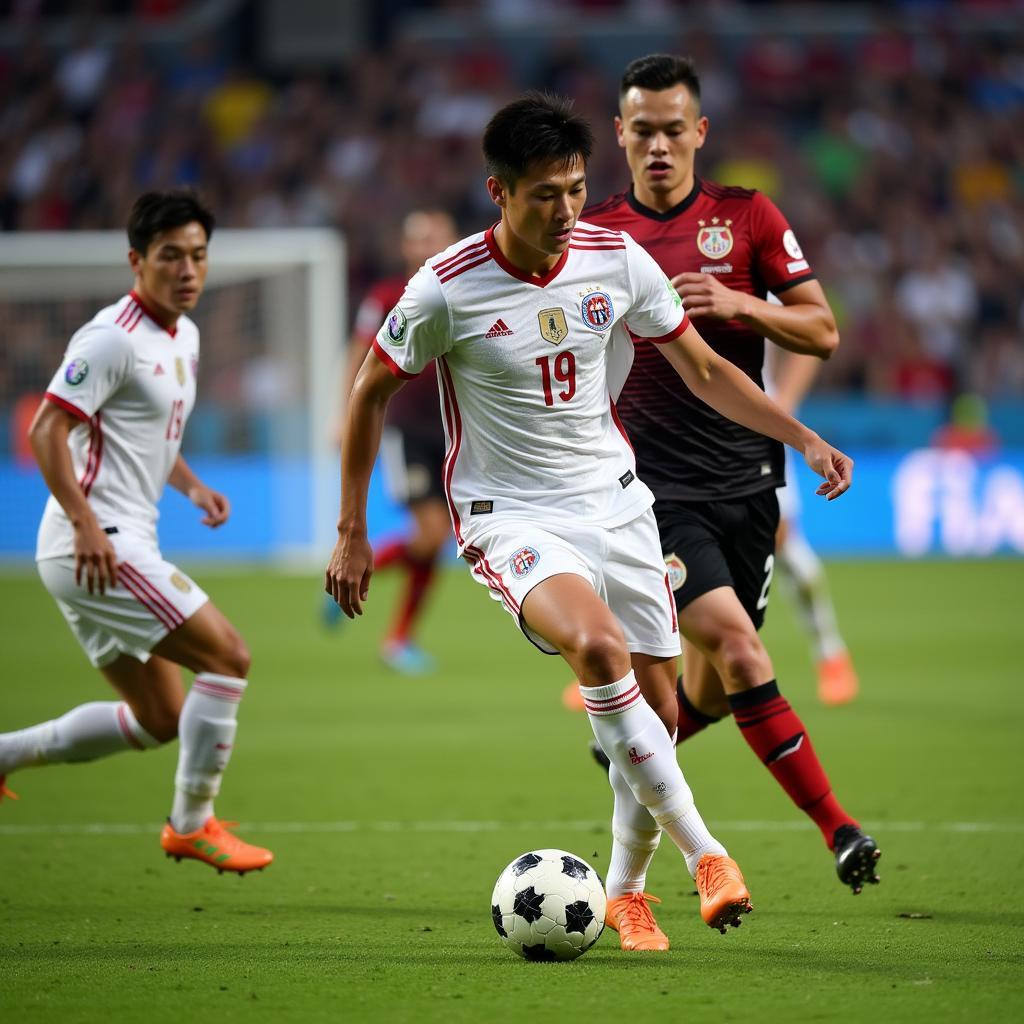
[(522, 365), (132, 383)]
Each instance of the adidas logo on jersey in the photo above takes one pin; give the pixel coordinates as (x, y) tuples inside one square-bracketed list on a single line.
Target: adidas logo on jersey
[(159, 371), (499, 330)]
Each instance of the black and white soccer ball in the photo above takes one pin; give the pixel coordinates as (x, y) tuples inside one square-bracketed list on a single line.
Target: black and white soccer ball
[(548, 905)]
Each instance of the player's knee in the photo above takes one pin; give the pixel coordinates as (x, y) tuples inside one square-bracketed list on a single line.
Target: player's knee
[(601, 654), (743, 658), (231, 658), (162, 726)]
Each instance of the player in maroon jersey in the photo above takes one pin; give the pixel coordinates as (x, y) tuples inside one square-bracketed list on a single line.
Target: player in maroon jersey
[(412, 449), (724, 248)]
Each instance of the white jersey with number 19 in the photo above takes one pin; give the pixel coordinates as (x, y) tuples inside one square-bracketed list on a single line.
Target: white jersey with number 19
[(132, 383), (523, 372)]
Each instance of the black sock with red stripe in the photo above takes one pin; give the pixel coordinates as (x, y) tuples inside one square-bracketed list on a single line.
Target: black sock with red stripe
[(691, 720), (775, 733)]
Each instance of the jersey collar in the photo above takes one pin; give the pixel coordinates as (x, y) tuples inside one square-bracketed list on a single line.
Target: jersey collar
[(514, 271), (646, 211), (172, 331)]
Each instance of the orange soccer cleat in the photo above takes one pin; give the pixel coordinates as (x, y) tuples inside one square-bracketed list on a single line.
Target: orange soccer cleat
[(723, 894), (837, 680), (4, 791), (631, 917), (213, 844), (572, 699)]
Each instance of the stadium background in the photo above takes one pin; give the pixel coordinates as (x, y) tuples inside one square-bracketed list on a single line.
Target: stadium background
[(888, 133)]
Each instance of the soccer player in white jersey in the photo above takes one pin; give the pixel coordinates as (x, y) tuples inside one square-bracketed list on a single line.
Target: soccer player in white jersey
[(541, 484), (107, 438)]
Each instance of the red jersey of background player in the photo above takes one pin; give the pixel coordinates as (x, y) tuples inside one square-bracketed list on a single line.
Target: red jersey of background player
[(417, 403), (686, 451)]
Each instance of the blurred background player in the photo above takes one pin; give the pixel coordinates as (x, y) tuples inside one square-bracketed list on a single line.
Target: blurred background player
[(723, 249), (107, 438), (412, 450), (788, 378)]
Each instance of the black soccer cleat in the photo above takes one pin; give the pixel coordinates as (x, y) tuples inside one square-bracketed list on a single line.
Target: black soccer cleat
[(599, 755), (856, 855)]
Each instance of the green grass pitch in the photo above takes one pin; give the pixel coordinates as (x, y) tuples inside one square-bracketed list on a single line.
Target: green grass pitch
[(392, 804)]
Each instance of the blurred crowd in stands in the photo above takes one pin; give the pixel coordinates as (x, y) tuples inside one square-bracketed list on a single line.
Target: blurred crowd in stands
[(898, 158)]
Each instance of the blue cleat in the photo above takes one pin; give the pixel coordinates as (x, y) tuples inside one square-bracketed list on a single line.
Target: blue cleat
[(330, 612), (407, 658)]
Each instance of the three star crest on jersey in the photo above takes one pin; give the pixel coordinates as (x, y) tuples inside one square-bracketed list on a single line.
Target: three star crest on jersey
[(715, 239), (553, 326), (597, 311)]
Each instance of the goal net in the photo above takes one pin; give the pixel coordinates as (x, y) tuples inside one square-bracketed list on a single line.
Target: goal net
[(272, 322)]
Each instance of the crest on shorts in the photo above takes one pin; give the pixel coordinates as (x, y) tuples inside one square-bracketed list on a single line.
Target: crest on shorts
[(597, 311), (179, 370), (179, 582), (676, 571), (553, 326), (76, 371), (714, 239), (523, 561), (395, 327)]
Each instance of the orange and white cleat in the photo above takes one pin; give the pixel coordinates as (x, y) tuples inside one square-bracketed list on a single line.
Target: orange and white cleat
[(631, 917), (5, 792), (837, 680), (213, 844), (572, 699), (723, 894)]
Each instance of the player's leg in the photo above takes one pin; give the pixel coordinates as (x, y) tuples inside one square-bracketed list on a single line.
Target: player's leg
[(422, 550), (805, 573), (723, 625)]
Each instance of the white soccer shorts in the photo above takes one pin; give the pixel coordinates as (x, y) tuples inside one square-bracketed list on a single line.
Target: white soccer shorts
[(152, 598), (624, 565)]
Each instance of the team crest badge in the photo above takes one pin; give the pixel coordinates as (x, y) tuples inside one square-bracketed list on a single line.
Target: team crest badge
[(597, 311), (76, 371), (395, 327), (553, 327), (523, 561), (715, 239), (180, 583), (676, 571), (179, 370)]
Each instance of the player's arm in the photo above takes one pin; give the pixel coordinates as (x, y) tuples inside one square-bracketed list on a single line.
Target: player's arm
[(804, 323), (48, 437), (731, 392), (351, 565), (213, 503)]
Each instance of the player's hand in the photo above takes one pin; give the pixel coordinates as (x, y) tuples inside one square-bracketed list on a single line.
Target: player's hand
[(95, 558), (832, 464), (705, 295), (213, 503), (347, 578)]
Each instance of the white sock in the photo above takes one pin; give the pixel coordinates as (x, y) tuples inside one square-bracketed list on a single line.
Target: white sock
[(635, 837), (85, 733), (206, 734), (804, 569), (636, 742)]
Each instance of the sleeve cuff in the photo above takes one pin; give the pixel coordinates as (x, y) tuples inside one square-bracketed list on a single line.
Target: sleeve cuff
[(390, 363), (671, 336), (786, 285), (67, 406)]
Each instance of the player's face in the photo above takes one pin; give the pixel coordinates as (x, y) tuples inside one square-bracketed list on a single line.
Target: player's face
[(538, 217), (660, 131), (425, 234), (170, 274)]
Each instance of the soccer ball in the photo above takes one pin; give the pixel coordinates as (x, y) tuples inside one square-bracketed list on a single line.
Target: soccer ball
[(548, 905)]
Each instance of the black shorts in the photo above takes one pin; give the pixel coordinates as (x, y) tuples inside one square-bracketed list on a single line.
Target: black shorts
[(412, 460), (711, 544)]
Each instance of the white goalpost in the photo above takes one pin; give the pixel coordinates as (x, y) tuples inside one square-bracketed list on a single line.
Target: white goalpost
[(273, 324)]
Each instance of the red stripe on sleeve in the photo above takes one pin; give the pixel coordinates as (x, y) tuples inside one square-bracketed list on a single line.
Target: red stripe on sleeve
[(390, 363), (66, 406), (672, 335)]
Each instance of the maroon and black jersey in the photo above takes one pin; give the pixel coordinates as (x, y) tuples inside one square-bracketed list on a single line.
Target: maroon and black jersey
[(685, 450), (416, 405)]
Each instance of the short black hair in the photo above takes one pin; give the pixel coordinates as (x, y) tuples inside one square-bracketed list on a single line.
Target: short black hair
[(154, 212), (537, 128), (658, 71)]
